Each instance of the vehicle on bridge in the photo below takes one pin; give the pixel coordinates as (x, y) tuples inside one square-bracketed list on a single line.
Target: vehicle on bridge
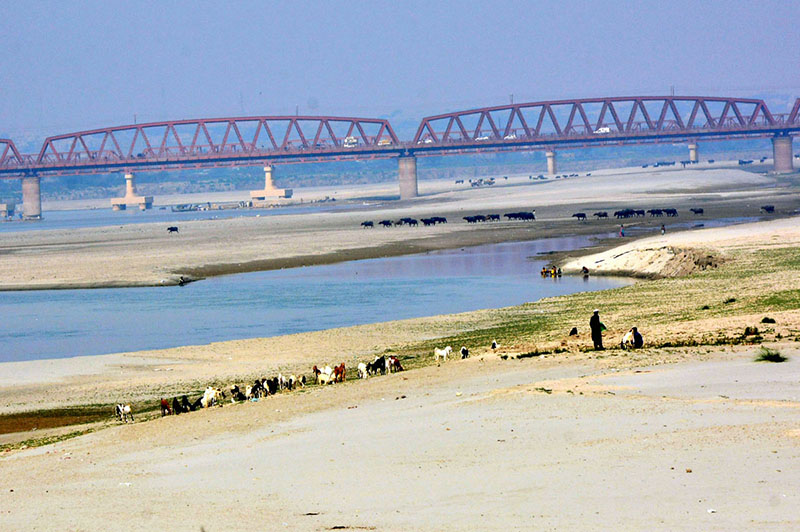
[(602, 130), (350, 142)]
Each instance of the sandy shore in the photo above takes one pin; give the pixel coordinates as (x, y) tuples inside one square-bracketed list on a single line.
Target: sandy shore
[(680, 438), (685, 252), (478, 444)]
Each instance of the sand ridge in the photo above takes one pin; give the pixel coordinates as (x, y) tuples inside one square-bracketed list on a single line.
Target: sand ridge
[(681, 253)]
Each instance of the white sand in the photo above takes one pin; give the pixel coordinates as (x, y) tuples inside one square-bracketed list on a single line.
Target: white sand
[(472, 446), (662, 254)]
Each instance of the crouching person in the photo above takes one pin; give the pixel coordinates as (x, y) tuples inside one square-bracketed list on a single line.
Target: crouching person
[(632, 339)]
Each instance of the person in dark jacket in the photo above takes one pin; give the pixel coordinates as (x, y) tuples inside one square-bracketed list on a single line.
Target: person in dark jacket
[(597, 330), (638, 341)]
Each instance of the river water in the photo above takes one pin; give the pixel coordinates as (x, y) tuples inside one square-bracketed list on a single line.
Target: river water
[(75, 219), (66, 323)]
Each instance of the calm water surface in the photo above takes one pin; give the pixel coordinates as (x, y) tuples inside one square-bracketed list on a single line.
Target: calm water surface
[(65, 323)]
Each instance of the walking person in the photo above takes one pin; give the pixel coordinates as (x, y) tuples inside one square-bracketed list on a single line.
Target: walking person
[(621, 230), (663, 229), (597, 330)]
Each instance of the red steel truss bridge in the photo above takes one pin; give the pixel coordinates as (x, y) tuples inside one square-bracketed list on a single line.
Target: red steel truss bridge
[(267, 140)]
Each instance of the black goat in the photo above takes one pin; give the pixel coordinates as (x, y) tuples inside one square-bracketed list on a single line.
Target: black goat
[(379, 364)]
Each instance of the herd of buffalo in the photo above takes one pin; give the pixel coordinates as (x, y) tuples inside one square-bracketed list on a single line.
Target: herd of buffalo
[(635, 213), (531, 215), (413, 222)]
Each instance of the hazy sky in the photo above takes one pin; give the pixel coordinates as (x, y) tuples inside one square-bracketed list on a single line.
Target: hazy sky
[(71, 65)]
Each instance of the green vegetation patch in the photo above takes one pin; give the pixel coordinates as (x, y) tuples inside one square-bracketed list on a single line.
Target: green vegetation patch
[(782, 300)]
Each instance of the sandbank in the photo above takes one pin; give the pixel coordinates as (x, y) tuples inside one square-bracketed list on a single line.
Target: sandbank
[(146, 255)]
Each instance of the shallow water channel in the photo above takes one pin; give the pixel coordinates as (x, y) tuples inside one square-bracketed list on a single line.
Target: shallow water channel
[(65, 323)]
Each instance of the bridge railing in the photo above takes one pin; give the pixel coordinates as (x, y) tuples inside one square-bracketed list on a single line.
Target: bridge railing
[(565, 118), (638, 128), (204, 150), (220, 136)]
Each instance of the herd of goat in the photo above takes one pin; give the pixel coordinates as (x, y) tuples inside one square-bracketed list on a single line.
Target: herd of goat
[(261, 388), (265, 387)]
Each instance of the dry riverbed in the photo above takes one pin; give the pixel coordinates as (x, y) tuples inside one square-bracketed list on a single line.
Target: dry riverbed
[(146, 255), (689, 433)]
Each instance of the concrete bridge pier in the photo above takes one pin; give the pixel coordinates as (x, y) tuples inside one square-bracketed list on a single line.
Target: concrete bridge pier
[(693, 152), (270, 191), (31, 198), (407, 174), (131, 198), (551, 161), (782, 154)]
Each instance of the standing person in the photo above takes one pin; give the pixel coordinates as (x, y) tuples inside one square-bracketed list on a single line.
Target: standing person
[(663, 229), (597, 330), (621, 230)]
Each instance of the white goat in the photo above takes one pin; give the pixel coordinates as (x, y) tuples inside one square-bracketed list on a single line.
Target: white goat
[(293, 382), (123, 412), (211, 397), (362, 370), (442, 353)]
